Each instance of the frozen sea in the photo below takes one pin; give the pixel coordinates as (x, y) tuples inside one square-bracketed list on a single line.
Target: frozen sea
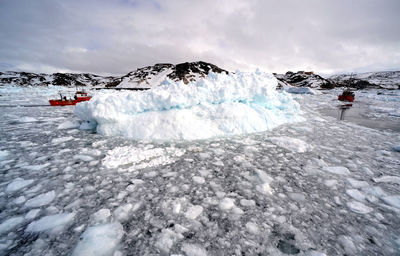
[(317, 187)]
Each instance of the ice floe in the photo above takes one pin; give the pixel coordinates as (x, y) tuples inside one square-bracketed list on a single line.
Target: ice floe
[(53, 223), (18, 184)]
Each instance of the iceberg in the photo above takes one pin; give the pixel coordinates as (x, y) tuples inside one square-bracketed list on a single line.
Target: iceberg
[(217, 105)]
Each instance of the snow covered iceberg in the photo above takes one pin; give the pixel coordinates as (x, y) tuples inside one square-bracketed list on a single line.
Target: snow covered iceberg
[(217, 105)]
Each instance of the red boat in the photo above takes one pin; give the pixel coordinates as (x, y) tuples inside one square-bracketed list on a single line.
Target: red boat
[(346, 95), (63, 101)]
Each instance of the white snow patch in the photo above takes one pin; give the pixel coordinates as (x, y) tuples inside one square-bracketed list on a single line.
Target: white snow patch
[(17, 184), (101, 240), (52, 222), (42, 199)]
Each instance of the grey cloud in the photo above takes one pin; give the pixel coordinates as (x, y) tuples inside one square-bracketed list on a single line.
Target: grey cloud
[(115, 37)]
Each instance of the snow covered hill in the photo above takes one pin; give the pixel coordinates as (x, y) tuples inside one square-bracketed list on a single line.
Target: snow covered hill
[(154, 75), (386, 79), (305, 79), (61, 79)]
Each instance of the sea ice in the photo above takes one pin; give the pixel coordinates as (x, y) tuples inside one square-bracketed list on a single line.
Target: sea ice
[(359, 207), (69, 125), (392, 200), (3, 154), (10, 223), (52, 222), (61, 140), (42, 199), (17, 184), (193, 212), (340, 170), (214, 106), (194, 250), (227, 204), (141, 158), (291, 144), (101, 240), (388, 179)]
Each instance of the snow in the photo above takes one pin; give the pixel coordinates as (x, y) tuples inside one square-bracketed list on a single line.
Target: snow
[(101, 240), (218, 105), (51, 223), (41, 200), (18, 184)]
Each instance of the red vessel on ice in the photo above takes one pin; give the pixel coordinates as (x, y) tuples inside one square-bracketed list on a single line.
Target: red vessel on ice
[(346, 95), (63, 101)]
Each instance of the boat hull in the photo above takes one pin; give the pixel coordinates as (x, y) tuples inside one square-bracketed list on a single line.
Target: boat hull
[(346, 98), (68, 102)]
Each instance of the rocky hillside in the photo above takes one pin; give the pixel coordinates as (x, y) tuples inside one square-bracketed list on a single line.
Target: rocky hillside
[(305, 79), (192, 71), (62, 79), (154, 75), (386, 79)]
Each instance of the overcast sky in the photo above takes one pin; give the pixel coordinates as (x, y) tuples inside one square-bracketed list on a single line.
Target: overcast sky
[(118, 36)]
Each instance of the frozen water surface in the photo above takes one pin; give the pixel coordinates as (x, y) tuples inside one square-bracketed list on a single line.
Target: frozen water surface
[(318, 187)]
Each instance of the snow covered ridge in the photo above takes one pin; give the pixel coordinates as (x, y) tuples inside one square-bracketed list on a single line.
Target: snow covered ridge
[(384, 79), (218, 105)]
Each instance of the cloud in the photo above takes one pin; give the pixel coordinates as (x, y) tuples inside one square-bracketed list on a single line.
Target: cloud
[(118, 36)]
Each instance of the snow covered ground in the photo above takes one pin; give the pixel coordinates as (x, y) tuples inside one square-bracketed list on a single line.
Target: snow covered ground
[(316, 187)]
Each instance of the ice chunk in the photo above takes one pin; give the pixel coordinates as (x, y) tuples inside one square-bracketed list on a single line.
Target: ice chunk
[(166, 240), (193, 212), (227, 204), (392, 200), (356, 194), (340, 170), (101, 216), (348, 244), (199, 180), (122, 213), (396, 148), (52, 222), (359, 207), (357, 183), (218, 105), (3, 154), (19, 200), (32, 214), (291, 144), (101, 240), (61, 140), (194, 250), (42, 199), (10, 223), (388, 179), (299, 197), (17, 184), (252, 228), (301, 90), (141, 158), (247, 203), (69, 125)]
